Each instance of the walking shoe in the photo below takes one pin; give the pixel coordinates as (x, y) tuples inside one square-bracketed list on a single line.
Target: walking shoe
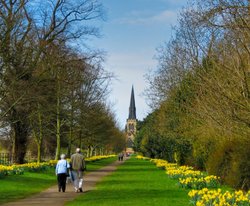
[(80, 190)]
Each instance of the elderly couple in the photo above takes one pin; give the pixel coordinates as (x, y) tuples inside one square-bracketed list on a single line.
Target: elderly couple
[(76, 167)]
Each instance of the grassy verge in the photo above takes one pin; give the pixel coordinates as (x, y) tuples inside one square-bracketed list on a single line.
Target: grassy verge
[(136, 182), (21, 186), (92, 166)]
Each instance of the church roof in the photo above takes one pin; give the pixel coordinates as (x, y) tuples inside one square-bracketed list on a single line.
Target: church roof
[(132, 109)]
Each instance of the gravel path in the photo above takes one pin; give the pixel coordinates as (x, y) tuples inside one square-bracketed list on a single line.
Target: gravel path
[(51, 196)]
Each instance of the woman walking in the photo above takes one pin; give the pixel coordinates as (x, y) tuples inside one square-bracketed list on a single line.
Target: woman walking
[(61, 172)]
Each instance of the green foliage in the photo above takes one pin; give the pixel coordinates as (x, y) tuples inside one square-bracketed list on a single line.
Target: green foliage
[(16, 171), (164, 132), (203, 85), (232, 163)]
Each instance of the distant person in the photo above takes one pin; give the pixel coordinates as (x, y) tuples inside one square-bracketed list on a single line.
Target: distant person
[(62, 167), (77, 168), (120, 156)]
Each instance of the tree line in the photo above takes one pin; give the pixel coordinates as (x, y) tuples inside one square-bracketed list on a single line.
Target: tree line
[(200, 92), (53, 88)]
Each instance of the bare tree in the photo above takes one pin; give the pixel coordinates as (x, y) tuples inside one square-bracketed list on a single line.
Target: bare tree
[(28, 29)]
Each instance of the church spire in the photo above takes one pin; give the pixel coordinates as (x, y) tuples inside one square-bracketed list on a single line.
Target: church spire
[(132, 109)]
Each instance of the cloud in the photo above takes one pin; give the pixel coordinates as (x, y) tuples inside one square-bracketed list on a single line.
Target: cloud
[(144, 18), (165, 16)]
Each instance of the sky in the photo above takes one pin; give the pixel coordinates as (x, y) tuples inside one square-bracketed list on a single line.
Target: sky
[(130, 35)]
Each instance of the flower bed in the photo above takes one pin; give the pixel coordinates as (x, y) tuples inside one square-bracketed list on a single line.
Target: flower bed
[(95, 158), (199, 182), (203, 185), (10, 170), (206, 197), (187, 176), (142, 158), (38, 167)]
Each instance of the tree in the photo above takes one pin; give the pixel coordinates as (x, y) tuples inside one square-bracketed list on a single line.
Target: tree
[(26, 36), (202, 87)]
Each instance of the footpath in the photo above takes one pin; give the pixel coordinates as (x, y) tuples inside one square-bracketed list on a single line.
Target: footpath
[(51, 196)]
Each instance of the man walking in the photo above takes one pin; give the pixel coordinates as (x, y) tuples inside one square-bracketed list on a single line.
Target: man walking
[(77, 167)]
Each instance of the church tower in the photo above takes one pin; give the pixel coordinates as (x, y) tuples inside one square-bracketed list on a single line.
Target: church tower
[(131, 123)]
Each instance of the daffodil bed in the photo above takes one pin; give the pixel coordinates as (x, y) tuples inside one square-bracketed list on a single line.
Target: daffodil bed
[(205, 188), (38, 167), (206, 197)]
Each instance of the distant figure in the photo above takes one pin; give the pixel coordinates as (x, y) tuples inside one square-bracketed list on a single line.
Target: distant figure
[(120, 156), (77, 168), (62, 167)]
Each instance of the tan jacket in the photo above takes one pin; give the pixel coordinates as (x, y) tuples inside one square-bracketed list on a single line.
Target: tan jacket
[(77, 162)]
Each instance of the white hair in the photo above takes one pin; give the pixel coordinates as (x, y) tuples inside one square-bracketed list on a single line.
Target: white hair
[(63, 156), (78, 150)]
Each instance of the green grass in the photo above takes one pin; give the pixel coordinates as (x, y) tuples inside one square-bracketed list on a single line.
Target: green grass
[(136, 182), (21, 186), (91, 166)]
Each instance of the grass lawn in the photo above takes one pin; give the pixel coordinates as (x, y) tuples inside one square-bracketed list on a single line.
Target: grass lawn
[(20, 186), (92, 166), (136, 182)]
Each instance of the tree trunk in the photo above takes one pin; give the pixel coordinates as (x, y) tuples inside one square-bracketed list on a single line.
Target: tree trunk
[(91, 151), (40, 137), (88, 153), (20, 143), (39, 152), (69, 142), (71, 125), (80, 139), (58, 120), (58, 125)]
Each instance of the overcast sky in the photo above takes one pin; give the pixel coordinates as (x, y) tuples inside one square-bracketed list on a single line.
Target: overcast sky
[(131, 33)]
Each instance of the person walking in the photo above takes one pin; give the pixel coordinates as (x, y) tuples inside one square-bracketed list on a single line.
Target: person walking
[(120, 156), (62, 167), (77, 168)]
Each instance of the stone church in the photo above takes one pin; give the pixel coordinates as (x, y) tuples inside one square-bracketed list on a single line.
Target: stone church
[(131, 124)]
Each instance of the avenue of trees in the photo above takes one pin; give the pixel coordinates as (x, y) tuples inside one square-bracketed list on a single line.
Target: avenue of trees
[(200, 93), (52, 88)]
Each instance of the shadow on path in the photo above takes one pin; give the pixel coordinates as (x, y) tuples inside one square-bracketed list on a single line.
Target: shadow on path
[(51, 196)]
